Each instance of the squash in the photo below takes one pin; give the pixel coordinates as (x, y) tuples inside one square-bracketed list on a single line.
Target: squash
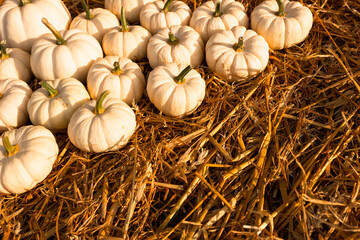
[(20, 20), (238, 54), (53, 105), (121, 76), (176, 90), (14, 63), (27, 156), (179, 44), (14, 95), (64, 54), (127, 41), (282, 23), (132, 8), (102, 125), (157, 15), (211, 17), (95, 22)]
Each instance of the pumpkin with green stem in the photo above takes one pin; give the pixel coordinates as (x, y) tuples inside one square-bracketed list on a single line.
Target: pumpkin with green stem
[(95, 22), (20, 20), (64, 54), (14, 95), (237, 54), (176, 90), (282, 23), (126, 41), (213, 16), (178, 44), (102, 125), (27, 156), (120, 75), (53, 105), (158, 15), (14, 63)]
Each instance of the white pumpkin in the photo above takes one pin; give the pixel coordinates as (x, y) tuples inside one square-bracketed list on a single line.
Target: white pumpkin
[(64, 54), (179, 44), (127, 41), (27, 156), (132, 8), (14, 63), (95, 22), (53, 105), (14, 95), (238, 54), (176, 90), (282, 23), (20, 20), (121, 76), (102, 125), (211, 17), (158, 15)]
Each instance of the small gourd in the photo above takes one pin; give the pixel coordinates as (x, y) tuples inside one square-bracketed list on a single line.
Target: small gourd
[(126, 41), (102, 125), (178, 44), (282, 23), (120, 75), (95, 22), (53, 105), (237, 54), (64, 54), (176, 90), (14, 63), (158, 15), (27, 156)]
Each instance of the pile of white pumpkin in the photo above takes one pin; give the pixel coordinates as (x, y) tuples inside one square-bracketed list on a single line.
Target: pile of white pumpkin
[(71, 56)]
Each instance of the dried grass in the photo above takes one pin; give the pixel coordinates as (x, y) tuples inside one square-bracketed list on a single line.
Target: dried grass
[(274, 158)]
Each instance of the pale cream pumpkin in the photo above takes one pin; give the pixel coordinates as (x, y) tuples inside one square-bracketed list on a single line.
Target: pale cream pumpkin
[(27, 156), (53, 105), (158, 15), (14, 63), (213, 16), (64, 54), (102, 125), (178, 44), (132, 8), (282, 23), (95, 22), (14, 95), (176, 90), (238, 54), (127, 41), (120, 75), (20, 20)]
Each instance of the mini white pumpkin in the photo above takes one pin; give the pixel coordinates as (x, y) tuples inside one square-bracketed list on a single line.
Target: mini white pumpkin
[(14, 95), (157, 15), (102, 125), (211, 17), (132, 8), (27, 156), (64, 54), (127, 41), (179, 44), (121, 76), (238, 54), (95, 22), (176, 90), (53, 105), (14, 63), (20, 20), (282, 23)]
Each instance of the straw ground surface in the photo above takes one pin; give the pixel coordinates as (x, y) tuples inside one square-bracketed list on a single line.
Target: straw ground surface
[(276, 157)]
